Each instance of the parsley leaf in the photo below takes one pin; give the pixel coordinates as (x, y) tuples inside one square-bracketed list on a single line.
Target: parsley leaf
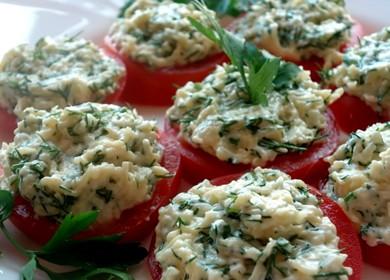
[(262, 68), (71, 225), (6, 203), (28, 269)]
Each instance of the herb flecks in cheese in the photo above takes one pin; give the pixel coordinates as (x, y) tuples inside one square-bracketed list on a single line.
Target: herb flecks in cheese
[(217, 116), (365, 71), (159, 34), (81, 158), (297, 29), (60, 73), (262, 226), (359, 180)]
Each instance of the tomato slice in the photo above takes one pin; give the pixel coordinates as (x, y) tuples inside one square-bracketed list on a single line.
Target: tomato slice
[(352, 113), (157, 87), (308, 165), (349, 240), (378, 255), (8, 125), (133, 224)]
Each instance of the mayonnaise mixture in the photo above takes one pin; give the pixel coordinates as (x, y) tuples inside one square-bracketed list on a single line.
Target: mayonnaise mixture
[(365, 71), (359, 181), (262, 226), (59, 72), (297, 29), (159, 34)]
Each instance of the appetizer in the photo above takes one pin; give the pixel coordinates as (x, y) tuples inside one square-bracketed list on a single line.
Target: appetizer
[(88, 157), (161, 49), (58, 72), (359, 182), (365, 75), (250, 112), (303, 31), (263, 225)]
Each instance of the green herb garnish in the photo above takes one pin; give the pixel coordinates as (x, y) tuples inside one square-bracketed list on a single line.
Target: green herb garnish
[(90, 258), (260, 71)]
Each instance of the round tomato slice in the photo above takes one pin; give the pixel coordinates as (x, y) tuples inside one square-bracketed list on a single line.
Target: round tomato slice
[(352, 113), (348, 243), (133, 224), (157, 86), (315, 64), (308, 165)]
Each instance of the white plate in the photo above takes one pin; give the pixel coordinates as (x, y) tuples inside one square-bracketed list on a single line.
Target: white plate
[(24, 21)]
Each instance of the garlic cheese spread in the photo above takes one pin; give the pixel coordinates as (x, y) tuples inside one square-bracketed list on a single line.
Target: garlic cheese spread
[(262, 226), (359, 180), (159, 34), (56, 73), (365, 71), (81, 158), (217, 116), (297, 29)]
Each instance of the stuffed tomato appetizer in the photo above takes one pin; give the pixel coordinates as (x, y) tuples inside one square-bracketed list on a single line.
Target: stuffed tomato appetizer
[(89, 157), (222, 131), (359, 178), (309, 33), (161, 49), (365, 77), (58, 72), (261, 225)]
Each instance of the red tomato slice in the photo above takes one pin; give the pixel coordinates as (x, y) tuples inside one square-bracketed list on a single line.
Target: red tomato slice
[(349, 240), (157, 87), (315, 64), (134, 223), (308, 165), (378, 255), (352, 113), (8, 125)]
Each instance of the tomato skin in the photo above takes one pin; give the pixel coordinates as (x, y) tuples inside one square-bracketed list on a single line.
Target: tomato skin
[(352, 113), (134, 223), (378, 255), (8, 125), (308, 165), (157, 87), (349, 240)]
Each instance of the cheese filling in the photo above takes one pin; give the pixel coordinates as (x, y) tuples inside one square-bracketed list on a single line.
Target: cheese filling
[(81, 158), (217, 116), (359, 180), (56, 73), (365, 71), (262, 226), (297, 29), (159, 34)]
